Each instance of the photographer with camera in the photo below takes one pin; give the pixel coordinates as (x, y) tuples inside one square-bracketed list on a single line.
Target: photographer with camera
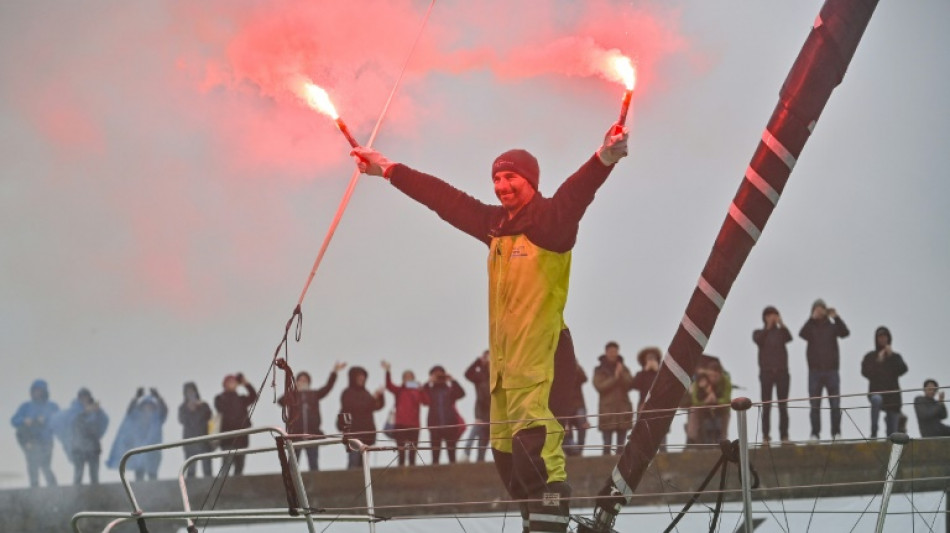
[(233, 408), (706, 423)]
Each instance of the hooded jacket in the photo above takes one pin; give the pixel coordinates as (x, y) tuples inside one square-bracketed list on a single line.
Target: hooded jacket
[(194, 422), (141, 426), (40, 412), (360, 404), (882, 375), (616, 409), (80, 431)]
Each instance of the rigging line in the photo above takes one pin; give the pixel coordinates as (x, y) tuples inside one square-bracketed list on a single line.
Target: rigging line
[(327, 238), (422, 461), (778, 484), (655, 466), (225, 471), (361, 493), (356, 173), (938, 512), (821, 481), (863, 513), (884, 462), (762, 498)]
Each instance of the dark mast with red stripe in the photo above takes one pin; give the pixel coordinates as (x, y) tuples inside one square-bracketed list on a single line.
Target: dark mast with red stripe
[(819, 68)]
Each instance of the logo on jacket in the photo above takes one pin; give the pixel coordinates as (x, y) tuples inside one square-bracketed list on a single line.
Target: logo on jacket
[(519, 251)]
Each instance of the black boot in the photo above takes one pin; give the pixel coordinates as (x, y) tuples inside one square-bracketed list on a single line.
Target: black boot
[(552, 513)]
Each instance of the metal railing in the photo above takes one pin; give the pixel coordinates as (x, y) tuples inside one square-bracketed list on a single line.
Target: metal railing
[(304, 512)]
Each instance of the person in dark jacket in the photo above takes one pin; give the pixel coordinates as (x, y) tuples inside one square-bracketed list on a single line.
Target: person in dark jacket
[(613, 382), (80, 428), (408, 398), (479, 374), (440, 394), (360, 404), (821, 332), (142, 426), (931, 410), (773, 370), (34, 433), (233, 408), (882, 366), (530, 240), (303, 409), (194, 415), (576, 425)]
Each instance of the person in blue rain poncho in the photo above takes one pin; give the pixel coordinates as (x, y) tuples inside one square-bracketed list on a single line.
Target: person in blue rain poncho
[(80, 429), (141, 426), (34, 433)]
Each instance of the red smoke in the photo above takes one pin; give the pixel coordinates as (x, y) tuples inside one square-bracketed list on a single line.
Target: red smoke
[(355, 50), (164, 115)]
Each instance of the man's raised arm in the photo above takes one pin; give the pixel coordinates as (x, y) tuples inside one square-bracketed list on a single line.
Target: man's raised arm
[(452, 205)]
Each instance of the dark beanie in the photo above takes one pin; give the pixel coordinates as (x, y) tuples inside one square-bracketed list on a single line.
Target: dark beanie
[(520, 161)]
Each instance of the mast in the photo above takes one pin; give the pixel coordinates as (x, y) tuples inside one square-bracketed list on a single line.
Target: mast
[(819, 68)]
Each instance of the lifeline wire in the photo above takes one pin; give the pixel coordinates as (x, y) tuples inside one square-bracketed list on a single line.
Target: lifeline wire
[(356, 173), (326, 242)]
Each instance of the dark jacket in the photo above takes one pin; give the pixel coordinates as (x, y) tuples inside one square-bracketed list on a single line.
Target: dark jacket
[(360, 404), (234, 415), (642, 383), (773, 355), (81, 430), (441, 398), (478, 373), (929, 414), (616, 410), (822, 338), (882, 375), (305, 414), (408, 399), (574, 395), (550, 223), (193, 419)]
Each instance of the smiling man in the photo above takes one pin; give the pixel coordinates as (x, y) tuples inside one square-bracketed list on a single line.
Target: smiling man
[(530, 239)]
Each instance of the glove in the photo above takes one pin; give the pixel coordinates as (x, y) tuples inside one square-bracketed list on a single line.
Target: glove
[(139, 392), (615, 145), (371, 162)]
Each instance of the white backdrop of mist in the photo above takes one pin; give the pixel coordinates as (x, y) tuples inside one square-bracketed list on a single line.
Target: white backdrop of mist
[(160, 214)]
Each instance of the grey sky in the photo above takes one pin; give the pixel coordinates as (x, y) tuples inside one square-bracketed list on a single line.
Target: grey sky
[(141, 255)]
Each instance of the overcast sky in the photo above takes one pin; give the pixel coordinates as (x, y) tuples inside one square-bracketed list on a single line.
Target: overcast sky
[(162, 203)]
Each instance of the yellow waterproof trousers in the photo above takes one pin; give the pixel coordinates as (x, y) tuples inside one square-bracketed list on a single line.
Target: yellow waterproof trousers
[(524, 426)]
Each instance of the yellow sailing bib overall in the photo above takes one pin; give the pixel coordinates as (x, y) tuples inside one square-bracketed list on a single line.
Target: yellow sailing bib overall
[(526, 298)]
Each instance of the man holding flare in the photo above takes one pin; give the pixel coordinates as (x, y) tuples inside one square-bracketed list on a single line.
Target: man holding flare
[(530, 239)]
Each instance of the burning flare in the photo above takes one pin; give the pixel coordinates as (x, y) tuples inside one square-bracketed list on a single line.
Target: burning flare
[(621, 69), (318, 99)]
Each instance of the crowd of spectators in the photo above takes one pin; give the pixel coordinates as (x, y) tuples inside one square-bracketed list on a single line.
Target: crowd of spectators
[(80, 428)]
